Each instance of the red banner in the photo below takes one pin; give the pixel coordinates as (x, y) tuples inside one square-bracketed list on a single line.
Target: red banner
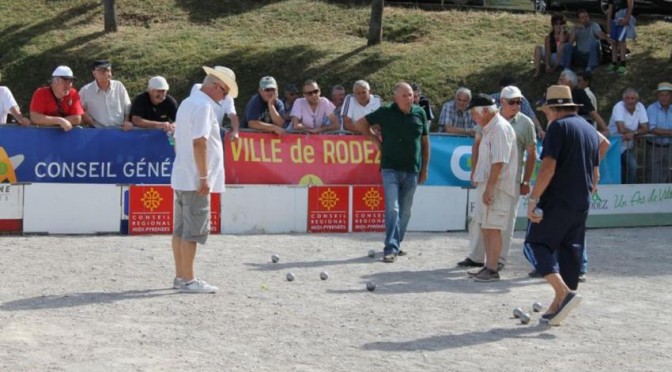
[(151, 210), (296, 159), (328, 208), (368, 208), (215, 213)]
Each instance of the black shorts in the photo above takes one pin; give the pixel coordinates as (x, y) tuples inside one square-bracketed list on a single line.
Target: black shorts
[(556, 244)]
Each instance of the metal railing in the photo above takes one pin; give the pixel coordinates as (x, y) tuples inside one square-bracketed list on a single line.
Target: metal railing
[(648, 160)]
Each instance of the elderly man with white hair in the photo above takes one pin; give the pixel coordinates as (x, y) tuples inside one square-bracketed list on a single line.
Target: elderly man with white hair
[(495, 179), (155, 108), (227, 107), (629, 119), (586, 109), (455, 119), (359, 104)]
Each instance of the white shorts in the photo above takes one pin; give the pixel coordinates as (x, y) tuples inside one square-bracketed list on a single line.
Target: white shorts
[(496, 215)]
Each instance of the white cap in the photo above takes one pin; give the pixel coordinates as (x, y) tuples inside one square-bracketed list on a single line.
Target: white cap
[(64, 72), (158, 83), (511, 92)]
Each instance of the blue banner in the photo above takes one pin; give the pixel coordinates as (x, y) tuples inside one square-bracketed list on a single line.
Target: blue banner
[(85, 156), (146, 157)]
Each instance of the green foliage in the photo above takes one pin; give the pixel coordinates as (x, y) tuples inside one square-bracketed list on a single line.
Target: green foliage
[(294, 40)]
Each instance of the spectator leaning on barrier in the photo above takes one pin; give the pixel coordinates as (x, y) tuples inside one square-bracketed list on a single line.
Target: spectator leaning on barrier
[(405, 153), (359, 104), (526, 141), (629, 119), (155, 108), (423, 102), (659, 151), (455, 118), (313, 114), (291, 94), (57, 104), (105, 101), (227, 106), (198, 170), (338, 98), (265, 110), (8, 105)]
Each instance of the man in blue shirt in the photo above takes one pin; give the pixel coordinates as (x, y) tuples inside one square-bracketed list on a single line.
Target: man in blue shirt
[(658, 151), (264, 112), (558, 205)]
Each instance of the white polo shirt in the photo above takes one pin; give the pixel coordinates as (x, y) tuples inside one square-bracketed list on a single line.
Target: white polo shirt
[(108, 108), (630, 120), (226, 106), (196, 118), (352, 109)]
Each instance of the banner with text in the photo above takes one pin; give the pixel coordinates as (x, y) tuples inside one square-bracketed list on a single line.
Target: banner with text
[(328, 208), (368, 208)]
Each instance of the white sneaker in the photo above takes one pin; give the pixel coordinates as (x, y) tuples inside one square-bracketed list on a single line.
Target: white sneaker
[(198, 286), (178, 283)]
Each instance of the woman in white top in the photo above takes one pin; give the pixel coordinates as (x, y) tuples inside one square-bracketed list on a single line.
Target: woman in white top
[(313, 114)]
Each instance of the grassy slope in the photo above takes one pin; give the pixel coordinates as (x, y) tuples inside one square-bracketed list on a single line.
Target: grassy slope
[(294, 40)]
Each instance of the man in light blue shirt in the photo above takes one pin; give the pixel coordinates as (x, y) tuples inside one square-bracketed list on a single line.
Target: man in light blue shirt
[(660, 124)]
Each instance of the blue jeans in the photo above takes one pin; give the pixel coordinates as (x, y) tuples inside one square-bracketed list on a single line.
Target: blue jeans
[(399, 188), (628, 166), (570, 52)]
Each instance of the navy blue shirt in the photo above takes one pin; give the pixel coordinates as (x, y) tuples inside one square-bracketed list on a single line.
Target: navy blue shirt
[(574, 145), (257, 109)]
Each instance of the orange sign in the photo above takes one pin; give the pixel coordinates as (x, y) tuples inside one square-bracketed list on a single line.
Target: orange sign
[(368, 208), (328, 208), (151, 210)]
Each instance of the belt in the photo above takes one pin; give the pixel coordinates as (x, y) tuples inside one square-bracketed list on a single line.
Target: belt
[(657, 145)]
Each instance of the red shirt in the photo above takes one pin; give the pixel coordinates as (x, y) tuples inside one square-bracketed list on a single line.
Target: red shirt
[(44, 102)]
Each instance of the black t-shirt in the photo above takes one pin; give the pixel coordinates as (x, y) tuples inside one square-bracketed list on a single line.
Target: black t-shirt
[(580, 97), (574, 145), (143, 107), (424, 103)]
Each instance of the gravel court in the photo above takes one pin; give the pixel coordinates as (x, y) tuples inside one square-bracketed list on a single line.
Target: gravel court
[(104, 303)]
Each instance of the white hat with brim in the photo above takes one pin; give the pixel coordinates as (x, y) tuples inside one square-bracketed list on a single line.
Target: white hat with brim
[(558, 96), (664, 86), (226, 77), (64, 72)]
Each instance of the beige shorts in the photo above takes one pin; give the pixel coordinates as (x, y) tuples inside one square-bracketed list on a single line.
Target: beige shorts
[(496, 215), (192, 216)]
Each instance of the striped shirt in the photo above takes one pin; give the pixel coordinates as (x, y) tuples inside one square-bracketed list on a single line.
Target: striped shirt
[(498, 145)]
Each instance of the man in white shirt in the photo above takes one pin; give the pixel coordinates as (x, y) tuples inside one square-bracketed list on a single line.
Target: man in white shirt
[(227, 107), (198, 170), (629, 119), (8, 105), (359, 104), (105, 101)]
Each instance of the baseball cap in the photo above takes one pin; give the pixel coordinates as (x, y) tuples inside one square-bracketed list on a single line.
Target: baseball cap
[(268, 82), (511, 92), (158, 83), (64, 72), (101, 63), (481, 100)]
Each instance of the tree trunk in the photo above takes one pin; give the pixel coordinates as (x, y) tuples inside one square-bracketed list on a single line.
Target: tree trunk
[(376, 23), (110, 16)]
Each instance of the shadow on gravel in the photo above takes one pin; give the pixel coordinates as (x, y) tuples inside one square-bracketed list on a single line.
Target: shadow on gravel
[(439, 280), (82, 299), (307, 264), (443, 342)]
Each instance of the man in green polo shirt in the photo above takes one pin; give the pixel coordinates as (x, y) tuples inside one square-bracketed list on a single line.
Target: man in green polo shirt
[(404, 147)]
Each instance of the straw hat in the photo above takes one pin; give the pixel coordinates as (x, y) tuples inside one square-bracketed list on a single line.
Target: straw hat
[(226, 76), (664, 86), (558, 96)]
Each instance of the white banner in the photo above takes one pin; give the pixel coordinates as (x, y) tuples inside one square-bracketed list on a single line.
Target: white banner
[(11, 202)]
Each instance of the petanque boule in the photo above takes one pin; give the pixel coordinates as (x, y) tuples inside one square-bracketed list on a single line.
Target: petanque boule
[(372, 253), (290, 277), (371, 286), (517, 312), (537, 306), (324, 275), (275, 258), (525, 318)]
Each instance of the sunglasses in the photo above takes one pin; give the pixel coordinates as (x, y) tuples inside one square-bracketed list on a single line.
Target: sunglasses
[(312, 92), (513, 101)]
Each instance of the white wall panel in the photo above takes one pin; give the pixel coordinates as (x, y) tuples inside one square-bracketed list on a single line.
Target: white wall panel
[(438, 208)]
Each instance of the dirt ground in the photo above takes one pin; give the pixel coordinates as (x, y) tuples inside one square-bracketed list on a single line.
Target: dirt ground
[(104, 303)]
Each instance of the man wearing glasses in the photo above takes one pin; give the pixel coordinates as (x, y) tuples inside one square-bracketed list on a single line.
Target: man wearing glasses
[(264, 111), (105, 101), (313, 113), (57, 104), (526, 141)]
